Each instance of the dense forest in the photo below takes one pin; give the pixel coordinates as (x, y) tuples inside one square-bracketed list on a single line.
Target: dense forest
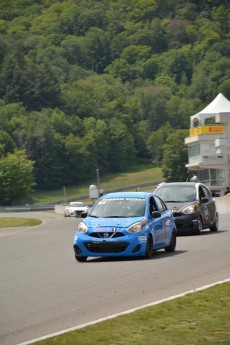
[(106, 84)]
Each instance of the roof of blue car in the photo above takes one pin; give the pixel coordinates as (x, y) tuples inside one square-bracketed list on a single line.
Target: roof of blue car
[(141, 195)]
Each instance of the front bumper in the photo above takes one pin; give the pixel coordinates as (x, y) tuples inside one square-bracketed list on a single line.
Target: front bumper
[(128, 245), (185, 223)]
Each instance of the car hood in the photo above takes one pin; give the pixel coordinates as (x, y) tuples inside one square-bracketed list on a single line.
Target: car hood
[(111, 222), (179, 206)]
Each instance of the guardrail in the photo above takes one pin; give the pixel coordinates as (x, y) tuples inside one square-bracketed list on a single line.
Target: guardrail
[(26, 208)]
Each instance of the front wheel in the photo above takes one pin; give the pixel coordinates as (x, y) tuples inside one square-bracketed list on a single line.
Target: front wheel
[(149, 248), (81, 258), (215, 225), (199, 226), (171, 248)]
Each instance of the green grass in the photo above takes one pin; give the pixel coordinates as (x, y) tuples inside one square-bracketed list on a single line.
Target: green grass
[(201, 318), (136, 175), (9, 222)]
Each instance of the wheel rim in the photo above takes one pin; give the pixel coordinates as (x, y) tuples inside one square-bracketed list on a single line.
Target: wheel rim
[(216, 224), (199, 225)]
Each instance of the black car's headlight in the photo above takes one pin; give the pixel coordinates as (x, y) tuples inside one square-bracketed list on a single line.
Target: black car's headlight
[(190, 209), (82, 228)]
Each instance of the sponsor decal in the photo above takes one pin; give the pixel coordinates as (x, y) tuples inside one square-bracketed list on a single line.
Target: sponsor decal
[(142, 238), (105, 229), (166, 223), (219, 129)]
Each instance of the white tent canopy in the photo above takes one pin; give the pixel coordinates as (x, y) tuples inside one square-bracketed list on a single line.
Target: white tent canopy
[(219, 105)]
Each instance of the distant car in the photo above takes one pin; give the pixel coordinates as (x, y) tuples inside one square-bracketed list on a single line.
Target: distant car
[(125, 224), (75, 208), (192, 205)]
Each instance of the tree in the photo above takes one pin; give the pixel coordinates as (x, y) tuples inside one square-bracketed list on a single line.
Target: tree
[(156, 140), (99, 131), (16, 177), (175, 156), (6, 143), (149, 103), (92, 84), (80, 164), (121, 151), (130, 65)]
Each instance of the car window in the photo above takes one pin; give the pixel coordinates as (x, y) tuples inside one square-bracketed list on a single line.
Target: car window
[(173, 193), (76, 204), (205, 192), (152, 205), (201, 192), (160, 204), (119, 208)]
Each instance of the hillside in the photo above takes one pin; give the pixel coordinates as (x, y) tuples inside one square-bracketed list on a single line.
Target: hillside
[(102, 84)]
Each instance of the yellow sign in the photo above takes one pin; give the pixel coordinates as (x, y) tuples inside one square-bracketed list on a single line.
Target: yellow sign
[(206, 130)]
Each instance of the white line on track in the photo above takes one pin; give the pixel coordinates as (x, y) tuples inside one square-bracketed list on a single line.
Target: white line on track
[(124, 312)]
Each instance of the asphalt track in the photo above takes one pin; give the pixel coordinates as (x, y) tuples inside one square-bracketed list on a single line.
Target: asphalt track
[(43, 290)]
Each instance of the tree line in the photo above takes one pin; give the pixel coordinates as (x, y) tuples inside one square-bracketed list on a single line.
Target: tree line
[(104, 84)]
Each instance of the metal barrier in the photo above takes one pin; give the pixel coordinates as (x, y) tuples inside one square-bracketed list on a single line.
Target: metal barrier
[(26, 208)]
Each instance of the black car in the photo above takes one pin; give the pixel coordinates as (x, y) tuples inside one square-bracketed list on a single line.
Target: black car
[(192, 204)]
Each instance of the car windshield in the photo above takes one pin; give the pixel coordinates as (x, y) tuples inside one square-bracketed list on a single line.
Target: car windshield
[(77, 204), (177, 193), (119, 208)]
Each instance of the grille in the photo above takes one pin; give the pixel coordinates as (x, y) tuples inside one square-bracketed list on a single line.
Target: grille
[(78, 212), (106, 247), (177, 214), (107, 234)]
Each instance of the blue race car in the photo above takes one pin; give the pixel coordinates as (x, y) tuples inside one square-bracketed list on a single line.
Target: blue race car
[(125, 224)]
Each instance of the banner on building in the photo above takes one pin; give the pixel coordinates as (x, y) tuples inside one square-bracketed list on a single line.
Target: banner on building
[(206, 130)]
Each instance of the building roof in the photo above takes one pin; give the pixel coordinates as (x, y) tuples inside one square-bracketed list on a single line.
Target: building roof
[(220, 104)]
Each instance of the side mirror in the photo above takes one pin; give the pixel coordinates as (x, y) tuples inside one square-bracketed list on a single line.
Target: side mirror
[(204, 200), (155, 214)]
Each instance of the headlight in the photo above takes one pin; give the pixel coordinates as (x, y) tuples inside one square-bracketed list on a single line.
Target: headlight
[(189, 209), (82, 228), (137, 227)]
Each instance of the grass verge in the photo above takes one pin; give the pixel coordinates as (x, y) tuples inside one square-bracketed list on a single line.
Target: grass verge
[(9, 222), (136, 175), (198, 318)]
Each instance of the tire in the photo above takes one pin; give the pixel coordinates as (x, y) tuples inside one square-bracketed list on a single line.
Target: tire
[(171, 248), (149, 248), (81, 258), (215, 225), (199, 226)]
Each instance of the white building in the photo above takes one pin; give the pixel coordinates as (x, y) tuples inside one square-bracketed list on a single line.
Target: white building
[(209, 145)]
